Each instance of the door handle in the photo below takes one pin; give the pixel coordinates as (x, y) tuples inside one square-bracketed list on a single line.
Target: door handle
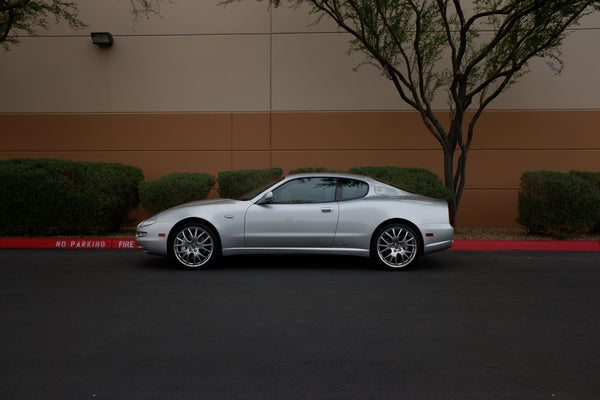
[(326, 210)]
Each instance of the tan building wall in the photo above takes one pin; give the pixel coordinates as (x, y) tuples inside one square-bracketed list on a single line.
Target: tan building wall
[(207, 88), (211, 142)]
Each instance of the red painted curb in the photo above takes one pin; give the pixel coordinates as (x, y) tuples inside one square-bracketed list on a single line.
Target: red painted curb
[(68, 243), (473, 245), (529, 245)]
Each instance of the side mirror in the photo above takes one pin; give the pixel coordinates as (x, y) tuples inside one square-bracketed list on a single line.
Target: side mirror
[(266, 199)]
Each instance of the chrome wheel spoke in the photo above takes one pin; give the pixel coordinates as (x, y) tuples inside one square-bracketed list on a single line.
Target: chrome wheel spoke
[(193, 246), (397, 246)]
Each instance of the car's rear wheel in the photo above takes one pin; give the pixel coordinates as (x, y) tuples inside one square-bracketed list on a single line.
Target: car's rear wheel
[(194, 245), (395, 246)]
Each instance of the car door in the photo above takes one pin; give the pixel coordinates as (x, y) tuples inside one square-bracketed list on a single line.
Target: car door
[(357, 217), (302, 213)]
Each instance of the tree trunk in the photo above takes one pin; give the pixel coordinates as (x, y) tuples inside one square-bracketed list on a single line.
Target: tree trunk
[(449, 181)]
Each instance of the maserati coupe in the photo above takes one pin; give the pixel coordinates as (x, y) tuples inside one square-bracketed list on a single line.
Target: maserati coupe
[(319, 213)]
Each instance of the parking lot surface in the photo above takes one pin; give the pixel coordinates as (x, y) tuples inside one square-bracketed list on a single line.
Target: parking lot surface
[(114, 324)]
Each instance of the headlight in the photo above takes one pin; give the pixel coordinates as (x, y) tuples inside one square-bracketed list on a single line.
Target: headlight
[(147, 222)]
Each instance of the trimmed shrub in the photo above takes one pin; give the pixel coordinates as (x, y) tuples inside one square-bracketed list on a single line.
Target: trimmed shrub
[(174, 189), (310, 170), (418, 180), (593, 177), (233, 184), (557, 204), (59, 197)]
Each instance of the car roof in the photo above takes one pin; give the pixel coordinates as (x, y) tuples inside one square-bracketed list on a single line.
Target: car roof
[(330, 175)]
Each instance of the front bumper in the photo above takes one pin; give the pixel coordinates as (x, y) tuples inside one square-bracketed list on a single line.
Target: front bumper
[(153, 238)]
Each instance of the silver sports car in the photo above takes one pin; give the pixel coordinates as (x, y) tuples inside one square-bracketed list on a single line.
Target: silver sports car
[(304, 214)]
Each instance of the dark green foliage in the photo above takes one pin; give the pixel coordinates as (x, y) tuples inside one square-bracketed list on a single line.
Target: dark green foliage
[(310, 170), (418, 180), (233, 184), (593, 177), (558, 204), (174, 189), (27, 16), (59, 197)]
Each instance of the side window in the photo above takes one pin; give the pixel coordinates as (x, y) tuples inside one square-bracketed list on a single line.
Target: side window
[(305, 190), (349, 189)]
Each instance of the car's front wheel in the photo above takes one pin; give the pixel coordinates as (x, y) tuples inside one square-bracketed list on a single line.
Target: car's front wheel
[(395, 246), (194, 245)]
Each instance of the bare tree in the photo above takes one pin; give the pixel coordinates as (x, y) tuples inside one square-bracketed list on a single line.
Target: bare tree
[(468, 52)]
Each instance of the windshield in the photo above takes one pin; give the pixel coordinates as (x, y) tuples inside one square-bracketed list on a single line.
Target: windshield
[(256, 192)]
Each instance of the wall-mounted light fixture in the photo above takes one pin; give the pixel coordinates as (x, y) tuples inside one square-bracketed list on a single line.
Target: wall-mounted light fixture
[(102, 38)]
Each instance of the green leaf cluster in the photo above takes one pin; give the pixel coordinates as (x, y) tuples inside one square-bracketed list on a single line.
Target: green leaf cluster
[(174, 189), (559, 204), (59, 197), (234, 184), (310, 170), (26, 16)]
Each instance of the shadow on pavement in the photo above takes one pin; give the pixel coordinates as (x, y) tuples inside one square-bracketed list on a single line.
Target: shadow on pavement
[(294, 262)]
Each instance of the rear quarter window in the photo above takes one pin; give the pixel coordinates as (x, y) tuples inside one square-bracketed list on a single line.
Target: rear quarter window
[(349, 189)]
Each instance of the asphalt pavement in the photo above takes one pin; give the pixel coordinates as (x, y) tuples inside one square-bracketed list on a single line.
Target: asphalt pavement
[(120, 324)]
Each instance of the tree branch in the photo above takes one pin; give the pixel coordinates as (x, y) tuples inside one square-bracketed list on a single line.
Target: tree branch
[(504, 30)]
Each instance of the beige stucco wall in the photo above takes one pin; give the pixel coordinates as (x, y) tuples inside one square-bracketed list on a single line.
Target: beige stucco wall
[(209, 88), (198, 56)]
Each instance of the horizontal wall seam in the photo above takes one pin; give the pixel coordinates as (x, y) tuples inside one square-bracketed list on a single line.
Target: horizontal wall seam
[(295, 111), (433, 149), (128, 151), (141, 35), (228, 34), (435, 110), (282, 150), (537, 149)]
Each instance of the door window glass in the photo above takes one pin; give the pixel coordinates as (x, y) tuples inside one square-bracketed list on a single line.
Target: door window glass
[(305, 190)]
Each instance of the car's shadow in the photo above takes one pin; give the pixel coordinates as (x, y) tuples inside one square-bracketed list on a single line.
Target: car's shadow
[(305, 262), (292, 262)]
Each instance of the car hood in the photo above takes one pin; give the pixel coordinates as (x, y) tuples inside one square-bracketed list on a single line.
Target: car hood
[(187, 208), (205, 203)]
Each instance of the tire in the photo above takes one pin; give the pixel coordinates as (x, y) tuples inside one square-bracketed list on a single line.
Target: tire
[(194, 246), (395, 246)]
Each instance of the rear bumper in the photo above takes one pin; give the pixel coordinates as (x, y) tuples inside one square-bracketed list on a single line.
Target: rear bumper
[(437, 238), (438, 246)]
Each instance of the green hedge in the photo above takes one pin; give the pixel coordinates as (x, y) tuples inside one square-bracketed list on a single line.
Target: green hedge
[(174, 189), (59, 197), (418, 180), (310, 170), (593, 177), (233, 184), (558, 204)]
